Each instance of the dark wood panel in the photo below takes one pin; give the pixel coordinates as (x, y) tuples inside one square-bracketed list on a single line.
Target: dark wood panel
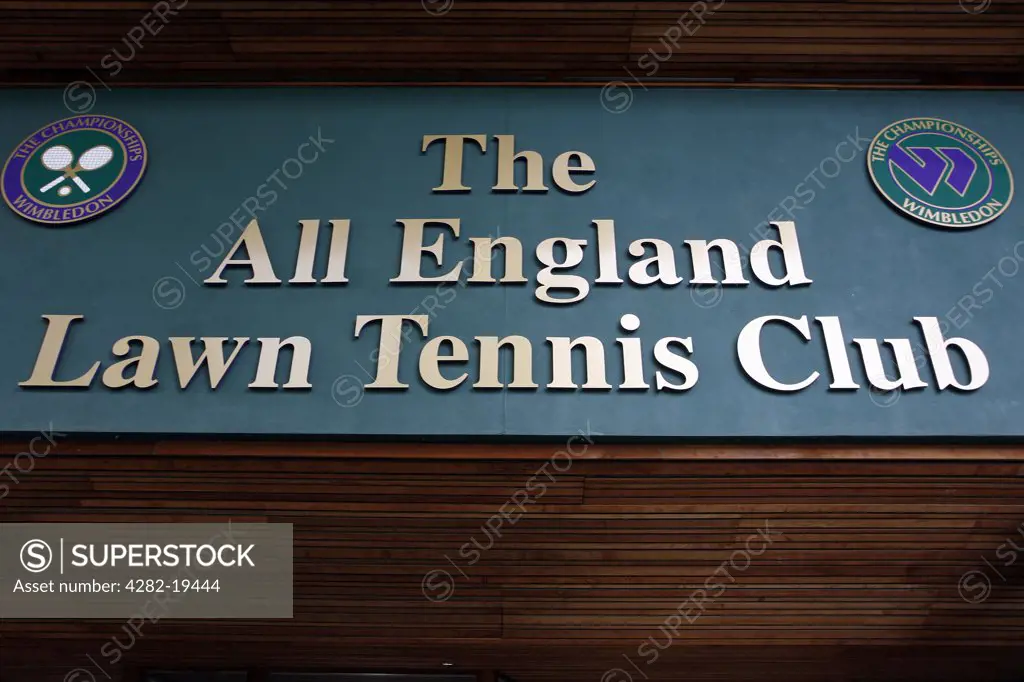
[(240, 41), (860, 582)]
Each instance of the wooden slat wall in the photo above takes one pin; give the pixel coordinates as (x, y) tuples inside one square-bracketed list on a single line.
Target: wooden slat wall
[(862, 583), (260, 41)]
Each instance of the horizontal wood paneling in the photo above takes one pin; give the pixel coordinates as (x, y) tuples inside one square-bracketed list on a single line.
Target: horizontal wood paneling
[(912, 41), (860, 583)]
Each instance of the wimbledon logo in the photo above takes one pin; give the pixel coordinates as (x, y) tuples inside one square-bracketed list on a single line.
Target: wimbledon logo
[(74, 169), (940, 172)]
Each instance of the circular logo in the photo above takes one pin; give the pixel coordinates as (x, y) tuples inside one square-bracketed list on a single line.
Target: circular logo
[(74, 169), (940, 172), (36, 556)]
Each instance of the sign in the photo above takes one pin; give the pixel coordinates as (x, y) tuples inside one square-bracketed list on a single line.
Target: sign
[(940, 172), (74, 169), (466, 263)]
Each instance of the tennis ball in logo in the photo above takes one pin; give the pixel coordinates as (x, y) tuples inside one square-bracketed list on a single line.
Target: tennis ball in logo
[(74, 169), (940, 172)]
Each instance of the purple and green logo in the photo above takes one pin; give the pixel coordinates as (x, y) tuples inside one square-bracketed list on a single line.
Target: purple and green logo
[(74, 169), (940, 172)]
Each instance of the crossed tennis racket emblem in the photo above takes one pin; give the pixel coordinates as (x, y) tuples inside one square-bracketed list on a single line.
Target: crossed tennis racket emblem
[(62, 159)]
